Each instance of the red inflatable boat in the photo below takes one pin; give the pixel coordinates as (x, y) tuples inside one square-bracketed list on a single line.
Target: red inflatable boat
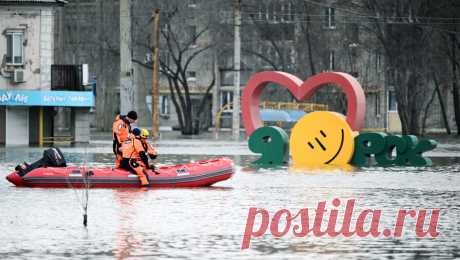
[(196, 174)]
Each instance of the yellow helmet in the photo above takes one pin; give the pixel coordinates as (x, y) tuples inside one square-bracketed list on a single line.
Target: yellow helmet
[(144, 133)]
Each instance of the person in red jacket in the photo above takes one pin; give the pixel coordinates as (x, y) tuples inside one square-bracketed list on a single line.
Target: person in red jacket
[(121, 131)]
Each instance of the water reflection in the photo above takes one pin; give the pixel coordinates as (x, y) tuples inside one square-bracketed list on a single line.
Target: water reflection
[(127, 237)]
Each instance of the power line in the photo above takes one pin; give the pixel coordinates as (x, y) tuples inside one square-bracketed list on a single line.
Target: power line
[(84, 16)]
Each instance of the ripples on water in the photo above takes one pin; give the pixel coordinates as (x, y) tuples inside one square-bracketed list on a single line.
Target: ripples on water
[(208, 223)]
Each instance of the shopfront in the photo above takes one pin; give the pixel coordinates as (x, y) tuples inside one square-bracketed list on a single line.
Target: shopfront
[(26, 116)]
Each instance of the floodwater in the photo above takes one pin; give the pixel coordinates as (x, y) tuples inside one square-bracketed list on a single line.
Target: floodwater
[(208, 223)]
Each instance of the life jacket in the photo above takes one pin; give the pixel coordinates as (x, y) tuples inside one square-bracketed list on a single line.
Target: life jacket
[(132, 148), (148, 148), (121, 131)]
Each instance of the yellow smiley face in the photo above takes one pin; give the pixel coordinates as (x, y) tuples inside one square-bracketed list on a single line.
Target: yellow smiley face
[(321, 138)]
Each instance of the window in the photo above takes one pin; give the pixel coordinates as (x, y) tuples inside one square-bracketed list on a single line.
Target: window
[(378, 61), (191, 77), (164, 105), (192, 34), (261, 12), (164, 57), (226, 77), (165, 28), (392, 104), (226, 97), (331, 60), (14, 48), (191, 74), (271, 11), (329, 18), (192, 3), (287, 13), (354, 32), (377, 104)]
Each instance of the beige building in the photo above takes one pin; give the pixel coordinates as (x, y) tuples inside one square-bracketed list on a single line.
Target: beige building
[(27, 49)]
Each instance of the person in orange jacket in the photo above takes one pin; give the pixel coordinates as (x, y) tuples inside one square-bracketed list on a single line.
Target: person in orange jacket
[(148, 148), (121, 131), (134, 152)]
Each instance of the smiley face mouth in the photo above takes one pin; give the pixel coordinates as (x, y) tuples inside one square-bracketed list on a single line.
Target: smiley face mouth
[(338, 151)]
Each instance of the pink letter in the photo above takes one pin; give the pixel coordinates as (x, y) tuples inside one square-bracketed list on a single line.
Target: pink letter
[(320, 209), (347, 219), (333, 219), (303, 222), (374, 230), (276, 220), (433, 223), (249, 232), (400, 220)]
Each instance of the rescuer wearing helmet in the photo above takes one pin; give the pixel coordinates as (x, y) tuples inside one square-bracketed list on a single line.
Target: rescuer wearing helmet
[(134, 155), (148, 148), (121, 131)]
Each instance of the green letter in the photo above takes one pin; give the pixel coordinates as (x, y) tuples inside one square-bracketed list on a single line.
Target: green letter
[(367, 144), (415, 155), (385, 158), (272, 143)]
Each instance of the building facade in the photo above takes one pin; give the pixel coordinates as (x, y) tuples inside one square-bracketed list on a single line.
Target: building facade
[(299, 37), (27, 49)]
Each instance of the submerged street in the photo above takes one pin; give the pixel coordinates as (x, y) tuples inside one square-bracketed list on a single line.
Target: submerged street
[(209, 222)]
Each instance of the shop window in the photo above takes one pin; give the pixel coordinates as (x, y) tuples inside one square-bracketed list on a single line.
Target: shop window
[(14, 47)]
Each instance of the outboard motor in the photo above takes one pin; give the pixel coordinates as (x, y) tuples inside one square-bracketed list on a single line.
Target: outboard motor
[(52, 157)]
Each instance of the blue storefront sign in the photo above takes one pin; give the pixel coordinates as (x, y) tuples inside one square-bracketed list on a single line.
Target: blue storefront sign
[(46, 98)]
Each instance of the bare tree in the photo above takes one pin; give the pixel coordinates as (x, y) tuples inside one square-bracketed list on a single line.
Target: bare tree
[(181, 53), (450, 35), (406, 45)]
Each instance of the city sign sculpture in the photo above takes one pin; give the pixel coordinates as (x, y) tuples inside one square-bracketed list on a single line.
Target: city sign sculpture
[(324, 138)]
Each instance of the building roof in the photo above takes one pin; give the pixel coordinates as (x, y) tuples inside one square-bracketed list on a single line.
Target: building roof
[(33, 2)]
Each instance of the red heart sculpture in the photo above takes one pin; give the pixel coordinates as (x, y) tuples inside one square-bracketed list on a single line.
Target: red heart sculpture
[(250, 99)]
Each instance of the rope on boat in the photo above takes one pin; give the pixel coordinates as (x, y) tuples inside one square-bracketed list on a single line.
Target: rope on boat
[(84, 198)]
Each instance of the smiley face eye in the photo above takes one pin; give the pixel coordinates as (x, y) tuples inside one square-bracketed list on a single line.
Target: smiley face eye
[(322, 133), (320, 144), (318, 141)]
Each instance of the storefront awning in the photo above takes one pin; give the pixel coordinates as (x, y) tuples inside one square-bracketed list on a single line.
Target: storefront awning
[(46, 98)]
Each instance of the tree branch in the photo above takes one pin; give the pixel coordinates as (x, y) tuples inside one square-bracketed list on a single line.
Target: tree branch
[(261, 56)]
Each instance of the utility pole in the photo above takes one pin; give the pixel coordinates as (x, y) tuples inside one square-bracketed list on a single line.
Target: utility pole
[(126, 68), (215, 90), (236, 72), (155, 78)]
